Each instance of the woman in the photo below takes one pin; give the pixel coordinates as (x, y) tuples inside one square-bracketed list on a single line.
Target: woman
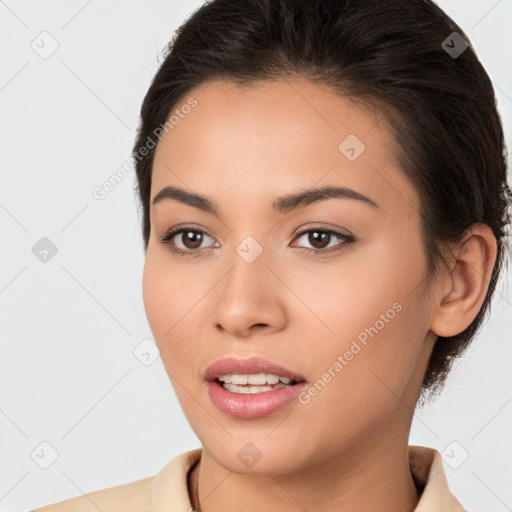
[(324, 196)]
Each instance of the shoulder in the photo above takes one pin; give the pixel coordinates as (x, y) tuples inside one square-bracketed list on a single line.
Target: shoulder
[(131, 497)]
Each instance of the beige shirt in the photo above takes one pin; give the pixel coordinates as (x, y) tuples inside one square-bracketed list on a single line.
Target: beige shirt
[(167, 490)]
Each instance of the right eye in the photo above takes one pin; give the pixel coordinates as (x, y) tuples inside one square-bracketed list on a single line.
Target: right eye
[(190, 243)]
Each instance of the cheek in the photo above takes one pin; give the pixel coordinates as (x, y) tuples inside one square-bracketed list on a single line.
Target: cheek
[(163, 297), (153, 293), (346, 297), (172, 306), (359, 380), (381, 330), (374, 299), (164, 292)]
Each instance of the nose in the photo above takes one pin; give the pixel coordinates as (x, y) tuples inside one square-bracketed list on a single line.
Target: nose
[(250, 299)]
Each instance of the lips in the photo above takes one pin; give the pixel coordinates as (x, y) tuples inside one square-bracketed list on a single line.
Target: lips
[(233, 365)]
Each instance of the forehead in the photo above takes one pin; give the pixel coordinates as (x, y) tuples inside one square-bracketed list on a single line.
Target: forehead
[(268, 138)]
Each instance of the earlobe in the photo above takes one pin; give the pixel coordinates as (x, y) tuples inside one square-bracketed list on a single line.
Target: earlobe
[(464, 288)]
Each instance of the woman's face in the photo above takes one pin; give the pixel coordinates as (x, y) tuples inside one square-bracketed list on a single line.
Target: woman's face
[(350, 313)]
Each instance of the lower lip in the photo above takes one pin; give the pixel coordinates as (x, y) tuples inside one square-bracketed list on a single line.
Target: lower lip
[(257, 405)]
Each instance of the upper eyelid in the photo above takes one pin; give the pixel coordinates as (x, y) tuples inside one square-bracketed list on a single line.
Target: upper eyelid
[(337, 231), (333, 232)]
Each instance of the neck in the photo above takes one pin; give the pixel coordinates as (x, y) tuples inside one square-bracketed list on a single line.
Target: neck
[(373, 478)]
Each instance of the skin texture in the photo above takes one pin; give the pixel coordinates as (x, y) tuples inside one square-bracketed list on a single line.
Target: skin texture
[(347, 448)]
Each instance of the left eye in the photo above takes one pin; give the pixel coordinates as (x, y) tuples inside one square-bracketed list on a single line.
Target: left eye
[(320, 238)]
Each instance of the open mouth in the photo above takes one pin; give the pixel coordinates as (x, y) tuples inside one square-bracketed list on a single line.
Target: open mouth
[(254, 388), (255, 383)]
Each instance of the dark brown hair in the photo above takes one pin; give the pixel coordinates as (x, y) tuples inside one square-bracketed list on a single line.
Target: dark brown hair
[(394, 56)]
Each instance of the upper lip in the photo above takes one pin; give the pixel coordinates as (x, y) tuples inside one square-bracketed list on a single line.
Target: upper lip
[(233, 365)]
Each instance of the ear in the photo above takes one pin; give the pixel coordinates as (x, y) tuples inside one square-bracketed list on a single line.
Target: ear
[(463, 289)]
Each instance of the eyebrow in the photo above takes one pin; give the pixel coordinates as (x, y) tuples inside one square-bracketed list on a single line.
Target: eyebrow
[(282, 204)]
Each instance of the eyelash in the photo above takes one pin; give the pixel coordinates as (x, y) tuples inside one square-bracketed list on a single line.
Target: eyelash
[(166, 239)]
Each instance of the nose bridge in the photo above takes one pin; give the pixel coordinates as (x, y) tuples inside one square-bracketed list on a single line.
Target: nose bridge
[(248, 274)]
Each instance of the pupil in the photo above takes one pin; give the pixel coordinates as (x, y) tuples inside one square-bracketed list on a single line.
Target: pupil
[(190, 236), (314, 237)]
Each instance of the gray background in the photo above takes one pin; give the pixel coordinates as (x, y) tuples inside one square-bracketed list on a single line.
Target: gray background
[(72, 326)]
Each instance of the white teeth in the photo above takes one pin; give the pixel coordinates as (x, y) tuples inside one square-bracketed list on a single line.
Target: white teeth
[(251, 389), (261, 378), (239, 379), (272, 379), (253, 383), (255, 378)]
